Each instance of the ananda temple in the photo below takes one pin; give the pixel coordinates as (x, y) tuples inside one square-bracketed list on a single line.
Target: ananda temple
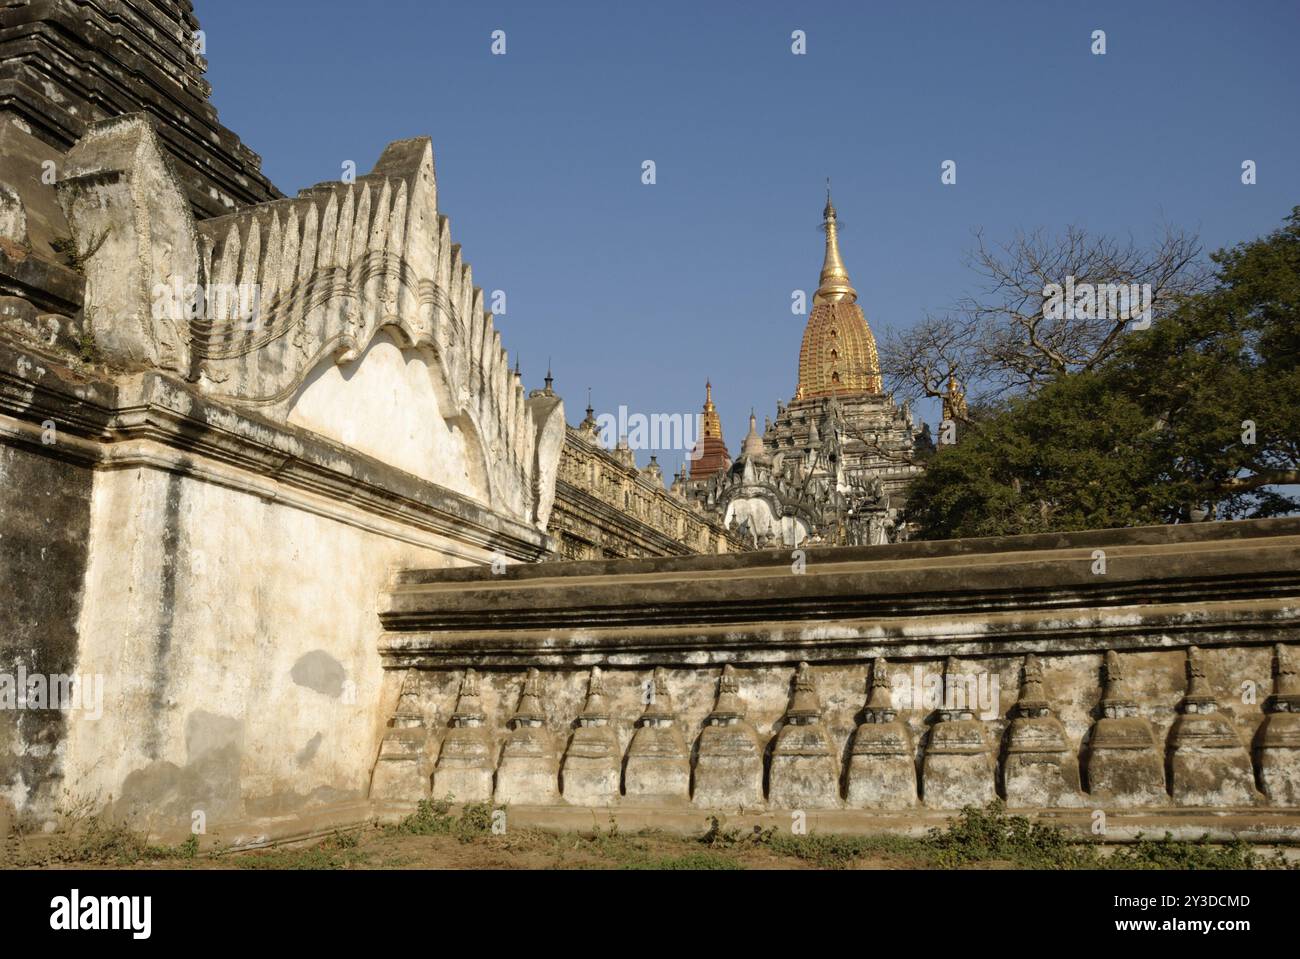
[(833, 467), (287, 545)]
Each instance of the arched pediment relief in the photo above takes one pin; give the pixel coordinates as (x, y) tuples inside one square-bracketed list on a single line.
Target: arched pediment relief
[(477, 469), (731, 489), (254, 307), (388, 403), (758, 512), (762, 521)]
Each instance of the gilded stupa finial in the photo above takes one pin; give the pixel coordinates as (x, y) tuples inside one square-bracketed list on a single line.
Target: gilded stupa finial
[(835, 284), (712, 422)]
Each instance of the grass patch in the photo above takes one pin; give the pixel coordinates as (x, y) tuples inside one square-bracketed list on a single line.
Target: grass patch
[(433, 817), (977, 836), (990, 835), (825, 850), (612, 844), (340, 851), (1170, 853), (829, 851), (698, 860), (97, 842)]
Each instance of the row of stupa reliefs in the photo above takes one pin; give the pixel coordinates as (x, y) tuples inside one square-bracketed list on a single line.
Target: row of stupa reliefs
[(256, 306), (1202, 762)]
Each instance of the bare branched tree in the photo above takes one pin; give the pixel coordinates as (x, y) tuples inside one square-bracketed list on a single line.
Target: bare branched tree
[(920, 361), (1001, 341)]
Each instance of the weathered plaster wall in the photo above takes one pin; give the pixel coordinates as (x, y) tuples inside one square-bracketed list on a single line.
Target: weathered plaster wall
[(236, 638), (44, 520), (217, 576), (386, 403)]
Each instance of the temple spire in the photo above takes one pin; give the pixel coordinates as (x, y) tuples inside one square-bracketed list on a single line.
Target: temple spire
[(590, 424), (752, 445), (710, 452), (835, 284), (712, 422)]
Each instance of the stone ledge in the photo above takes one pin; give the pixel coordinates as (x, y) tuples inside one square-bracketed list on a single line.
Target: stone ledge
[(1080, 630), (49, 286), (729, 563), (151, 420), (1177, 579)]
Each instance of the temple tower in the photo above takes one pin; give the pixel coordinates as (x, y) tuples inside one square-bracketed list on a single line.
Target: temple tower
[(838, 355), (1207, 763), (836, 462), (529, 769), (804, 770), (658, 763), (1039, 765), (71, 63), (405, 765), (592, 767), (958, 767), (1277, 747), (710, 453), (1125, 767)]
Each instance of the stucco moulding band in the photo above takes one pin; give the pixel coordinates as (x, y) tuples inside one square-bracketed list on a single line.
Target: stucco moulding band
[(148, 420), (1219, 584)]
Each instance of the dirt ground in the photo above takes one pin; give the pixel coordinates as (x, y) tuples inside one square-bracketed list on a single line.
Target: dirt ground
[(526, 849), (475, 837)]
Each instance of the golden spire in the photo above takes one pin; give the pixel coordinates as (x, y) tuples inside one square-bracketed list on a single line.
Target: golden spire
[(712, 422), (835, 285), (838, 356), (710, 452)]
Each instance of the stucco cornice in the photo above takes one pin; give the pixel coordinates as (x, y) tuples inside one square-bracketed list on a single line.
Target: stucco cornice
[(152, 421)]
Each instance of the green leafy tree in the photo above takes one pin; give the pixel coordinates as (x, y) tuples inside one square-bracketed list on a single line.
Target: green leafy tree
[(1221, 378), (1077, 455), (1196, 417)]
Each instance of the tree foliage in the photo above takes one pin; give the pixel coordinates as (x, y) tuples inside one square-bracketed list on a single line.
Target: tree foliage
[(1197, 417), (1000, 342)]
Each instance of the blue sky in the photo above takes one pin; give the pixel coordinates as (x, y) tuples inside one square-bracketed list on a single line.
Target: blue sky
[(641, 292)]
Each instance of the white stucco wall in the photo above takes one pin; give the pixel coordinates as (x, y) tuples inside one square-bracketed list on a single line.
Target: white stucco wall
[(386, 403), (241, 676)]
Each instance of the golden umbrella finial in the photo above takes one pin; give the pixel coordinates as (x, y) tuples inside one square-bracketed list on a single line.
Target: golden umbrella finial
[(835, 284)]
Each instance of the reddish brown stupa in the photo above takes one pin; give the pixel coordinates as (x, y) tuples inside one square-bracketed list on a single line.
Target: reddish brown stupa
[(710, 453)]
